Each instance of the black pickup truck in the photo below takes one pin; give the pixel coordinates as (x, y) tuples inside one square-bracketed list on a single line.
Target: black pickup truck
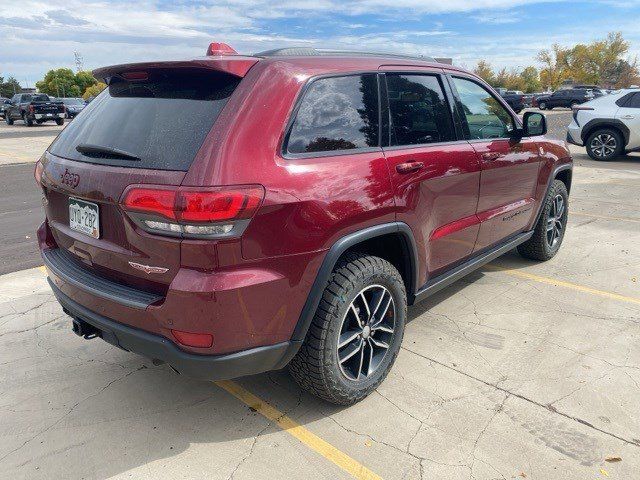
[(516, 99), (34, 107)]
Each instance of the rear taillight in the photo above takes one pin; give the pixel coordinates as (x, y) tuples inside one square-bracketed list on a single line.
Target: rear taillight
[(37, 172), (31, 108), (576, 109), (192, 212)]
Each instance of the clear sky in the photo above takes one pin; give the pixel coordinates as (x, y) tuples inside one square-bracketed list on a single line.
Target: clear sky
[(38, 35)]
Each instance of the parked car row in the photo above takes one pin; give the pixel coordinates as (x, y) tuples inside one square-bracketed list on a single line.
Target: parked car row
[(38, 108), (567, 97)]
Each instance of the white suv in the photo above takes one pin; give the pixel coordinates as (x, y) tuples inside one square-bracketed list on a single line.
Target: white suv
[(608, 126)]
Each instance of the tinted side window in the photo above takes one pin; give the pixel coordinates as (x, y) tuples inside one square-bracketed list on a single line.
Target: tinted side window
[(634, 101), (419, 111), (337, 113), (485, 116)]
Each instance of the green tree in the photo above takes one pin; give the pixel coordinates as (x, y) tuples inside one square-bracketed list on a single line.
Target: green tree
[(531, 80), (85, 80), (94, 90), (59, 83), (9, 87)]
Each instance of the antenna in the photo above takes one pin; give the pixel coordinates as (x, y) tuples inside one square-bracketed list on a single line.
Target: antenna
[(79, 61)]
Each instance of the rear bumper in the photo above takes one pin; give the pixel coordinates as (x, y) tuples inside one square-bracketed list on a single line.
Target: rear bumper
[(204, 367)]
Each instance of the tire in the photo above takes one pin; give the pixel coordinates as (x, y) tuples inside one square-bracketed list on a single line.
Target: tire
[(8, 121), (317, 368), (544, 244), (59, 121), (605, 144), (27, 121), (542, 105)]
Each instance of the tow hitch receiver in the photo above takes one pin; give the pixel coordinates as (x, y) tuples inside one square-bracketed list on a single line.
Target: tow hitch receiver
[(84, 329)]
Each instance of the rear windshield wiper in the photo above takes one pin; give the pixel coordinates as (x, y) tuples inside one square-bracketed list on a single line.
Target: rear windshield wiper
[(98, 151)]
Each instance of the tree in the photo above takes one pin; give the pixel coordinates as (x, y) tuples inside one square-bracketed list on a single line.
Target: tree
[(59, 83), (485, 71), (531, 80), (599, 62), (64, 83), (94, 90), (9, 87), (84, 80)]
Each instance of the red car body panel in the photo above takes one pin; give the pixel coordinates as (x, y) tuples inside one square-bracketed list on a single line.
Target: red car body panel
[(249, 291)]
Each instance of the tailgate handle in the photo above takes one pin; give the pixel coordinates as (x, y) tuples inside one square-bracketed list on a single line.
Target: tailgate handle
[(409, 167)]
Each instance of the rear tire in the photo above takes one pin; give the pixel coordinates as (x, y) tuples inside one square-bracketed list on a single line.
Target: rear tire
[(60, 121), (7, 120), (604, 144), (549, 232), (542, 105), (27, 121), (344, 371)]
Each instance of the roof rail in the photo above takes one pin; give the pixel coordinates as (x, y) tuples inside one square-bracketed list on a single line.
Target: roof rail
[(314, 52)]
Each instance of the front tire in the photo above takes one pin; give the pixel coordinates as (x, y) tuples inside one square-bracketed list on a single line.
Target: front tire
[(605, 144), (356, 333), (549, 232)]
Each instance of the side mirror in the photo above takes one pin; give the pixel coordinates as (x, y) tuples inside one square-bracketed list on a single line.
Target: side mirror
[(534, 124)]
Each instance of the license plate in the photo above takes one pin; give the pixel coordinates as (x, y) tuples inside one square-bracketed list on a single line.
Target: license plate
[(84, 217)]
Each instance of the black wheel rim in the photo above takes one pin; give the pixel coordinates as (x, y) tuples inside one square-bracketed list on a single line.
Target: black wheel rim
[(366, 333), (555, 221)]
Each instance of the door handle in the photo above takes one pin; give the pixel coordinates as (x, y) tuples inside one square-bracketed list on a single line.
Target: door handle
[(491, 156), (627, 117), (409, 167)]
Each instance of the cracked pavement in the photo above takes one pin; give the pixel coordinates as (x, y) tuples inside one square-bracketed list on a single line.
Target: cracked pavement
[(499, 377)]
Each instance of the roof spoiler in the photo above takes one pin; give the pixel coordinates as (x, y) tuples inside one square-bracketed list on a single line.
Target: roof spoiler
[(232, 64)]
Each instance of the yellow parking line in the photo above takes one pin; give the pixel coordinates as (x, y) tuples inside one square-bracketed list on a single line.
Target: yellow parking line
[(605, 217), (328, 451), (561, 283)]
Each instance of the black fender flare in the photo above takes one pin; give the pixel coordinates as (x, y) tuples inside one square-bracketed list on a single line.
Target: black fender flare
[(552, 177), (604, 123), (336, 251)]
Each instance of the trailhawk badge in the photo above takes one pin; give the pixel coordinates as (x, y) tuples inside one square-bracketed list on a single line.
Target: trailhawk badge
[(148, 269)]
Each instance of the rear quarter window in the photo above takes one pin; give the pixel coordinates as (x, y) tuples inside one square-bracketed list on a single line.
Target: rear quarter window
[(160, 123), (336, 113)]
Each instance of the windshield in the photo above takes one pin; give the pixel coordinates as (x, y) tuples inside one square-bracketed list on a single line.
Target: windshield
[(40, 98), (160, 122)]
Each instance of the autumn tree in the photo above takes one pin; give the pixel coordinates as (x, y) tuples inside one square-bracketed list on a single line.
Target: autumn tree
[(485, 71), (600, 62), (94, 90)]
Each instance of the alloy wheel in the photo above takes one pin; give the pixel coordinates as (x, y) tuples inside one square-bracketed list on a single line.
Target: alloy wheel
[(603, 145), (366, 332), (555, 221)]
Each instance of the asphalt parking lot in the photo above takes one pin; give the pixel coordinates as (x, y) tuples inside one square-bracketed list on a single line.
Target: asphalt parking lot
[(521, 370)]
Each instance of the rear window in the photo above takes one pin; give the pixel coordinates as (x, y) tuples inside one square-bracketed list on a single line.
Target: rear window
[(159, 123)]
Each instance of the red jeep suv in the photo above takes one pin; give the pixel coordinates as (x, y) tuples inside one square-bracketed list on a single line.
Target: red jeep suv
[(230, 215)]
